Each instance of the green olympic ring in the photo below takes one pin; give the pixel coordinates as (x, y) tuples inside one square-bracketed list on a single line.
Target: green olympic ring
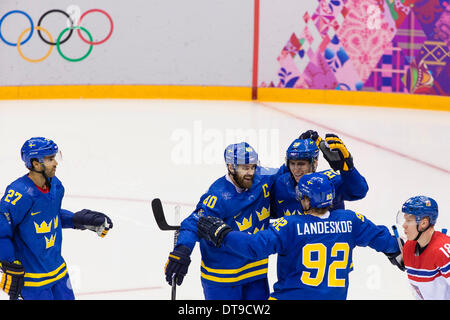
[(58, 42)]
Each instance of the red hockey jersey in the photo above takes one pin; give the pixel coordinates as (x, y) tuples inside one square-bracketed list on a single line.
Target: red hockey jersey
[(429, 272)]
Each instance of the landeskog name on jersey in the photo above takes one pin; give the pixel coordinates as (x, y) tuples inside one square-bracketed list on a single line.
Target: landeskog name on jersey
[(324, 227)]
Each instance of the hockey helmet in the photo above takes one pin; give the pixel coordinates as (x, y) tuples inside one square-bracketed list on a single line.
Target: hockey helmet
[(302, 149), (37, 148), (318, 188), (240, 153), (420, 207)]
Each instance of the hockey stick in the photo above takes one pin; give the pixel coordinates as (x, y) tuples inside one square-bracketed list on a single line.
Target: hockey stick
[(175, 239), (394, 228), (160, 218)]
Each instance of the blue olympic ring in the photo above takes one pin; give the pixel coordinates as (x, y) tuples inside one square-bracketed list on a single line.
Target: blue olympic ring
[(29, 19), (21, 42)]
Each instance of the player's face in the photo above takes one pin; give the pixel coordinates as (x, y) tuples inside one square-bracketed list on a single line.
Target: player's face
[(245, 174), (410, 226), (50, 164), (299, 168)]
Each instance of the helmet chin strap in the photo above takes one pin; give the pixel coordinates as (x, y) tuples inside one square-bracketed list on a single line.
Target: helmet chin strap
[(420, 232), (48, 180), (303, 209)]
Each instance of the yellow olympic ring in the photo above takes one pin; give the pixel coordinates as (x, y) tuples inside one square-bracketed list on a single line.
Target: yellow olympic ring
[(34, 60)]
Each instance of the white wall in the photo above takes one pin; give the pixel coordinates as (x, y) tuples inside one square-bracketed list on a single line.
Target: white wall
[(176, 42)]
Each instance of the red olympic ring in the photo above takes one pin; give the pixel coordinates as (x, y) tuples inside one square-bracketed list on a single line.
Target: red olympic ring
[(79, 28), (110, 22)]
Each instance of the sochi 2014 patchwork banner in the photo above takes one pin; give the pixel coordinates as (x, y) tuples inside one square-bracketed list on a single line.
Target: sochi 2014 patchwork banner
[(369, 45)]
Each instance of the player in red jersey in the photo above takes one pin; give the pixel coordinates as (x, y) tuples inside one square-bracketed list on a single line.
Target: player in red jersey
[(426, 253)]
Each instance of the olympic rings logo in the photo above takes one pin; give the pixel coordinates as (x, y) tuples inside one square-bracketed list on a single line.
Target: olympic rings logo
[(74, 23)]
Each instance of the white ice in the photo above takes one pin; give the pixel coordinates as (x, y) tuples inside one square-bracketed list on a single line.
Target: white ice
[(120, 154)]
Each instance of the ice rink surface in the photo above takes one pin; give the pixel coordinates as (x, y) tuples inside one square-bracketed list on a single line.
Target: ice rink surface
[(120, 154)]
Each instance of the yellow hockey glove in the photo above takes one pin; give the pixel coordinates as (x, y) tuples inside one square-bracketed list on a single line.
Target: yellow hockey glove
[(336, 153)]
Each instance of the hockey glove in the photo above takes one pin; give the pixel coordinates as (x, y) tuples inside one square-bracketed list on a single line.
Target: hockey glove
[(396, 258), (336, 153), (12, 278), (212, 229), (92, 220), (177, 265), (311, 134)]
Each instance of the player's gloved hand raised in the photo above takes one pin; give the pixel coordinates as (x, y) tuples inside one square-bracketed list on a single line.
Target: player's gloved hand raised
[(12, 278), (311, 134), (212, 229), (336, 153), (177, 264), (396, 258), (92, 220)]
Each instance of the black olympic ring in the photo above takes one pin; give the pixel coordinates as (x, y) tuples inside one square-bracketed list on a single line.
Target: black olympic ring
[(42, 18), (59, 40)]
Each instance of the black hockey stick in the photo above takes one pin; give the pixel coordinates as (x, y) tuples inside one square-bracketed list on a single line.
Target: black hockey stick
[(160, 218)]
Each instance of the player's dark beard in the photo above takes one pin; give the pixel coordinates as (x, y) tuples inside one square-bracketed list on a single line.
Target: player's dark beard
[(48, 179), (243, 183)]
